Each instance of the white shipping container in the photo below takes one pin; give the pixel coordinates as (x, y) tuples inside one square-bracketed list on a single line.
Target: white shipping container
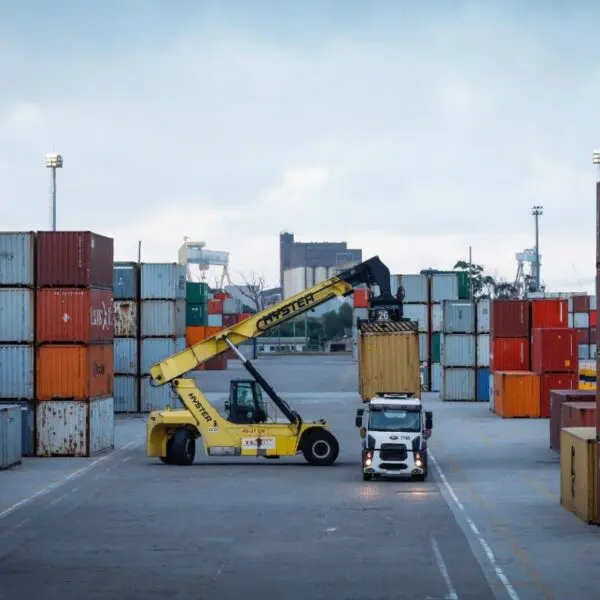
[(458, 385), (157, 397), (458, 316), (68, 428), (11, 432), (423, 347), (483, 316), (232, 306), (584, 351), (162, 281), (163, 318), (416, 288), (17, 367), (214, 320), (436, 377), (436, 317), (570, 320), (125, 392), (17, 311), (457, 350), (16, 258), (483, 350), (418, 313), (581, 320), (126, 318), (444, 286), (155, 350), (125, 356)]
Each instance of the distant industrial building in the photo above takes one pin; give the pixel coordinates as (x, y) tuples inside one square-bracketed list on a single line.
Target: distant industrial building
[(302, 264)]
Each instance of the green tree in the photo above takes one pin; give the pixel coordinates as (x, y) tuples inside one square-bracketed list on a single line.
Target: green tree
[(484, 285)]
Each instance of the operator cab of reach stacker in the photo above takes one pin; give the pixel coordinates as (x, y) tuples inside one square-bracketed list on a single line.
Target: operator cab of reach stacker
[(246, 405)]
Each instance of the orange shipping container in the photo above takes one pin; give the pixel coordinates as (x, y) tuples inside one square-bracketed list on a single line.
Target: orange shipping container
[(194, 334), (74, 372), (517, 394)]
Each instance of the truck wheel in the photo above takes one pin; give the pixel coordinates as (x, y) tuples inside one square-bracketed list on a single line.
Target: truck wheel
[(181, 448), (367, 477), (421, 477), (320, 448)]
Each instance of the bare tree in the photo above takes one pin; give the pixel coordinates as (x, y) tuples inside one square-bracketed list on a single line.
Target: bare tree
[(253, 290)]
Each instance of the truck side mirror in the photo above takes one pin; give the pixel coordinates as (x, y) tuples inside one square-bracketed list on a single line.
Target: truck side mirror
[(359, 415), (428, 419)]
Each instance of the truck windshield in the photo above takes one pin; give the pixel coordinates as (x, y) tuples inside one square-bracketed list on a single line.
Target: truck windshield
[(394, 420)]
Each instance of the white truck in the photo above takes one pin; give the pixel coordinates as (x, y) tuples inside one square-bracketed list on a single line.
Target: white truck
[(395, 433)]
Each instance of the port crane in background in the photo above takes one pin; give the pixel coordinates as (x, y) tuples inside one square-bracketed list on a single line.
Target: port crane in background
[(526, 277), (196, 253), (247, 430)]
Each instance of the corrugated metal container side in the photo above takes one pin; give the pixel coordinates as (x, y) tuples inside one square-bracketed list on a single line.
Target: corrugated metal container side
[(194, 334), (423, 347), (509, 319), (584, 351), (579, 304), (581, 320), (230, 321), (554, 381), (549, 312), (458, 316), (196, 292), (593, 303), (491, 392), (436, 377), (578, 472), (214, 320), (126, 394), (509, 354), (444, 286), (436, 317), (232, 306), (483, 316), (102, 425), (17, 307), (125, 356), (418, 313), (163, 318), (458, 385), (11, 443), (155, 350), (17, 265), (557, 398), (157, 398), (27, 424), (570, 320), (436, 351), (583, 336), (16, 372), (483, 350), (578, 414), (195, 314), (125, 318), (74, 315), (74, 372), (416, 288), (517, 394), (483, 385), (125, 280), (74, 258), (554, 350), (162, 281), (457, 350)]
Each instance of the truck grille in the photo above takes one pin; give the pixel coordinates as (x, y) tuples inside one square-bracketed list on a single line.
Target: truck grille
[(393, 452)]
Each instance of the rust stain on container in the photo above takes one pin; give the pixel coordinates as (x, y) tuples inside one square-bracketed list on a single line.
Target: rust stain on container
[(74, 258), (74, 315), (74, 372), (126, 318)]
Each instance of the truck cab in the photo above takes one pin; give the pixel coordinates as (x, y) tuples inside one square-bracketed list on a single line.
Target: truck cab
[(395, 429)]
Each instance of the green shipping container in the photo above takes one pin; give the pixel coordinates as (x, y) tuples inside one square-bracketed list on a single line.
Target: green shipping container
[(435, 347), (195, 314), (196, 292), (463, 285)]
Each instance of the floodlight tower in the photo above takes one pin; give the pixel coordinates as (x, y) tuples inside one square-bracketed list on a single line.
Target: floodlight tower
[(537, 211), (54, 161)]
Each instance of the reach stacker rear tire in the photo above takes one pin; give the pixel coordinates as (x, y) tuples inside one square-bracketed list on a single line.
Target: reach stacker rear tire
[(181, 448), (320, 448)]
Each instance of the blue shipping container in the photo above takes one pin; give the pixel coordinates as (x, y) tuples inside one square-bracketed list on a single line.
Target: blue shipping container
[(16, 372), (162, 281), (157, 397), (125, 356), (154, 350), (16, 258), (125, 281), (27, 425), (10, 436), (483, 384), (163, 318), (16, 315), (125, 393)]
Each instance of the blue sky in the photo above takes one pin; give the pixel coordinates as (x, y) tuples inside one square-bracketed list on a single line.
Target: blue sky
[(410, 132)]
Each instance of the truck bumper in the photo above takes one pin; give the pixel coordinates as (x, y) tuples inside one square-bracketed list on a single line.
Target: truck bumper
[(414, 464)]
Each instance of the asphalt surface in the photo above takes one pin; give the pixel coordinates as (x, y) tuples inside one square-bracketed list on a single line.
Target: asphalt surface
[(123, 526)]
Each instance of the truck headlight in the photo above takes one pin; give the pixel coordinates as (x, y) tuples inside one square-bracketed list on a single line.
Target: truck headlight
[(418, 462)]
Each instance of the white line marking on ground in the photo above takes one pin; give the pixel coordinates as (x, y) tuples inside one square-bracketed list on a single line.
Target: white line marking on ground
[(486, 548), (70, 477), (451, 595)]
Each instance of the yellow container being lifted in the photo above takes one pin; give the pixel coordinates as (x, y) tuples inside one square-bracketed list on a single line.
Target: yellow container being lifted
[(388, 358)]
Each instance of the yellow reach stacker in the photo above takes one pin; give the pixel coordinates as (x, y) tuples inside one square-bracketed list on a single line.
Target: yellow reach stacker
[(246, 430)]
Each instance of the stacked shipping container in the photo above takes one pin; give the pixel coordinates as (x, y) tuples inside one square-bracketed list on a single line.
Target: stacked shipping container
[(582, 317)]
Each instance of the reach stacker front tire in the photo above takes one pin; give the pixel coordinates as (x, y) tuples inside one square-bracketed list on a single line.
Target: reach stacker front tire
[(181, 448), (320, 448)]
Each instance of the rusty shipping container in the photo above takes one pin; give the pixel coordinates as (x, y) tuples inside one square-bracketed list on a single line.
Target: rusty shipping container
[(388, 358), (509, 319), (557, 398), (74, 372), (578, 414), (125, 318), (554, 351), (509, 354), (517, 394), (74, 259), (555, 381), (74, 315), (67, 428), (549, 312)]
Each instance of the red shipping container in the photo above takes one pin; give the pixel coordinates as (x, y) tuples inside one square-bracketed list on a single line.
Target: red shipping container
[(509, 354), (557, 398), (361, 298), (549, 313), (578, 414), (74, 259), (244, 316), (74, 315), (554, 351), (593, 314), (217, 363), (222, 296), (509, 319), (215, 307), (583, 335), (593, 335), (555, 381), (230, 320), (581, 304)]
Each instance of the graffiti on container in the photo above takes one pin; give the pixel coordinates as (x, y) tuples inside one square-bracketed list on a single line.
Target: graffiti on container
[(101, 317), (285, 312), (203, 412)]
